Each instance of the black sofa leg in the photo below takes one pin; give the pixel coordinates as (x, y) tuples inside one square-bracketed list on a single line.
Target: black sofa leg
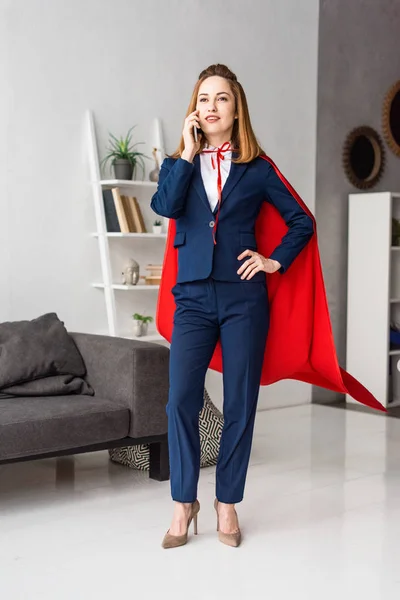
[(159, 460)]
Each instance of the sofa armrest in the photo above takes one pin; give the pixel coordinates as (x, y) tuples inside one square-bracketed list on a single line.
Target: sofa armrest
[(133, 373)]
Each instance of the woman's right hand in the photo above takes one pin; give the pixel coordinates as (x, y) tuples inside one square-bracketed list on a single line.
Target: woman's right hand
[(191, 146)]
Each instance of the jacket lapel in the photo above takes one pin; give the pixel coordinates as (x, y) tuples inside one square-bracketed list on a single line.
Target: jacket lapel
[(235, 174), (198, 181)]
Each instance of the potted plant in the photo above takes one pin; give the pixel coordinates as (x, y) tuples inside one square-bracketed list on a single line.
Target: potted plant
[(157, 226), (140, 324), (123, 157)]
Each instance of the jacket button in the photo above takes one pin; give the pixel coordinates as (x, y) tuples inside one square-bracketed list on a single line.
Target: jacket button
[(211, 223)]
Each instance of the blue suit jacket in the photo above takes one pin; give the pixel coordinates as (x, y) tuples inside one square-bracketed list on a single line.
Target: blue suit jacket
[(181, 195)]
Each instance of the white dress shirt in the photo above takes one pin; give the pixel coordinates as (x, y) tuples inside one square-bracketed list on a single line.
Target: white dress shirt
[(210, 175)]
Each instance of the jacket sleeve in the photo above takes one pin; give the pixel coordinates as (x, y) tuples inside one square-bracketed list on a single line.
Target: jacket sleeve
[(173, 183), (300, 225)]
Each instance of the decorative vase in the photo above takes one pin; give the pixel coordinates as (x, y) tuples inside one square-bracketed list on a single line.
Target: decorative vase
[(157, 229), (145, 327), (123, 168), (154, 174)]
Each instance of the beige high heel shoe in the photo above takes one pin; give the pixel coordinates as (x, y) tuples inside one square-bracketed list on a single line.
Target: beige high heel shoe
[(231, 539), (173, 541)]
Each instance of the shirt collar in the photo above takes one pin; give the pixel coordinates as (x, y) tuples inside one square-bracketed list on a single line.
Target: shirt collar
[(209, 147)]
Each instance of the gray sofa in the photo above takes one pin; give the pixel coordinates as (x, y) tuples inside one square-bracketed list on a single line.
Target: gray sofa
[(130, 382)]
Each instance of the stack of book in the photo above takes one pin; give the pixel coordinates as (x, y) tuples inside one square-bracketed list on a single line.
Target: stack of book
[(154, 276), (122, 212)]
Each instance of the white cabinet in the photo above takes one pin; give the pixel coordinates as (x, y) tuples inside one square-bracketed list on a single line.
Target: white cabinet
[(373, 292)]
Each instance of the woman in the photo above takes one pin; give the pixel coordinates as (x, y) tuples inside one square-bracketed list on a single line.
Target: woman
[(214, 189)]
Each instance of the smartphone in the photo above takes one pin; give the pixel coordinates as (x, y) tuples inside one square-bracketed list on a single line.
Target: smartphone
[(196, 130)]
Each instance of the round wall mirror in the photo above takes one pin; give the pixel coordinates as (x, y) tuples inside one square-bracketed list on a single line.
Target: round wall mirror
[(363, 157), (391, 118)]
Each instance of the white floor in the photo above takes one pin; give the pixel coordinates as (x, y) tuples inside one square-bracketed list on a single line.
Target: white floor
[(320, 520)]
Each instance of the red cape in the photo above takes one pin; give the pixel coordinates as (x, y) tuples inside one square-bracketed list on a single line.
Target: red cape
[(300, 342)]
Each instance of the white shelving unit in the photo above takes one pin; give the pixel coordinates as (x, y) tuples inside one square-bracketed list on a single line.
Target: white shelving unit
[(116, 248), (373, 293)]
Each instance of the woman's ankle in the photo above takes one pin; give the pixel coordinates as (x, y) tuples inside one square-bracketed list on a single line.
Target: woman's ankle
[(227, 504)]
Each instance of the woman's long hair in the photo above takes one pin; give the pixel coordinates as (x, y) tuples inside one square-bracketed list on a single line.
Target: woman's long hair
[(243, 138)]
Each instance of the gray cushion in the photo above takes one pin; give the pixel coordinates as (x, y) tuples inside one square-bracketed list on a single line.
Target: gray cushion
[(33, 350), (59, 385), (48, 424)]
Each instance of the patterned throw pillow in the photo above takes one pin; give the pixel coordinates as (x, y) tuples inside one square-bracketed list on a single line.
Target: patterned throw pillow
[(211, 422)]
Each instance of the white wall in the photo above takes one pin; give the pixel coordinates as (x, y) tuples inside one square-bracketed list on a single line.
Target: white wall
[(129, 61)]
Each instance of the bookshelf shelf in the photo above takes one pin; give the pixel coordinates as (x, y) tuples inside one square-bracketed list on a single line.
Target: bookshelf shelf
[(150, 337), (127, 288), (133, 221), (394, 403), (131, 235), (126, 183)]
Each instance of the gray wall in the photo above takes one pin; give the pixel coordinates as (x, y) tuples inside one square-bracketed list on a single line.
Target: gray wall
[(359, 59)]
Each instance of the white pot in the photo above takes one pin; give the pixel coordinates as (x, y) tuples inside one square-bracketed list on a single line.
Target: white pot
[(137, 328), (140, 328), (157, 229)]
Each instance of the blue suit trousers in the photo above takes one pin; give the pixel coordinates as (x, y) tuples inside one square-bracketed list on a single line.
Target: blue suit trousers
[(238, 314)]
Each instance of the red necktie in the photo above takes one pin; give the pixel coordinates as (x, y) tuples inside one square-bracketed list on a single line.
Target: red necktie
[(226, 147)]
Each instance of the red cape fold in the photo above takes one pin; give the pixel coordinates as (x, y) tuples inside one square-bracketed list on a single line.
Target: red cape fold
[(300, 342)]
